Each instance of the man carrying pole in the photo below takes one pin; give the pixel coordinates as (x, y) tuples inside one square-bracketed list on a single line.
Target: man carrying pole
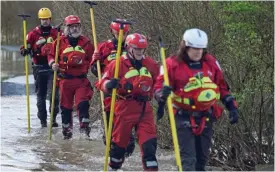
[(104, 55), (132, 85), (74, 56), (39, 41)]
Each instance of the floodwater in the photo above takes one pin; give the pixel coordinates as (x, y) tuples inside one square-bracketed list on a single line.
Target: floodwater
[(23, 151), (33, 151)]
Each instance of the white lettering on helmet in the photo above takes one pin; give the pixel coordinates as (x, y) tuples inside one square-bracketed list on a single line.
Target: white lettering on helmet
[(142, 40)]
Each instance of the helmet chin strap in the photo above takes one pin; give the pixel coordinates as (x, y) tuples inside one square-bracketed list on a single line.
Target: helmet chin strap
[(132, 54), (136, 63)]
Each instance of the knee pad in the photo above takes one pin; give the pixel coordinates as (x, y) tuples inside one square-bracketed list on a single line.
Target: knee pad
[(66, 115), (149, 159), (83, 108), (116, 156)]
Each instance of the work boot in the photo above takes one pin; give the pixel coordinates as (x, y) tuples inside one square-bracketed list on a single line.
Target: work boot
[(54, 123), (112, 169), (42, 118), (67, 131), (84, 126), (43, 123)]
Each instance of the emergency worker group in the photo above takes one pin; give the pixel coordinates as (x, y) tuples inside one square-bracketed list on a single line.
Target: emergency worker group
[(196, 85)]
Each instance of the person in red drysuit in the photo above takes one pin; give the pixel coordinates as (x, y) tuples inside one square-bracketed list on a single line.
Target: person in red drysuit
[(75, 55), (107, 53), (137, 75), (197, 82)]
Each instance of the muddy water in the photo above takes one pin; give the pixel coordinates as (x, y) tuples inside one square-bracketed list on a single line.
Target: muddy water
[(12, 63), (34, 152), (23, 151)]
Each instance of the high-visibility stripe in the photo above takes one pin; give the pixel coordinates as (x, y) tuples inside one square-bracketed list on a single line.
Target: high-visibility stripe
[(113, 56), (71, 49), (49, 40), (151, 163), (207, 95), (195, 83), (116, 160), (134, 72), (65, 125), (85, 120)]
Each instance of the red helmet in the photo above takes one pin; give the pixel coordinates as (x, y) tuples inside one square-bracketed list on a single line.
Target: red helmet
[(116, 26), (72, 19), (136, 40)]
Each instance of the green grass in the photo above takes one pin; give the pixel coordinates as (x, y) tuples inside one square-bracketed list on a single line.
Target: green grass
[(4, 78)]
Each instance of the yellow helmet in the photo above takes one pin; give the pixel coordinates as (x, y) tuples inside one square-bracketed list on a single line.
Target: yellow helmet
[(44, 13)]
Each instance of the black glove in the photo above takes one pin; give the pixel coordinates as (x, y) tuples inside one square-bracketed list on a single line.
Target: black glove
[(94, 68), (165, 92), (160, 111), (233, 116), (24, 52), (229, 102), (231, 106), (113, 83)]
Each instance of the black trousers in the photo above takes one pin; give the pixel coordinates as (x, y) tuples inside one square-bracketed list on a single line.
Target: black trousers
[(194, 150), (43, 77)]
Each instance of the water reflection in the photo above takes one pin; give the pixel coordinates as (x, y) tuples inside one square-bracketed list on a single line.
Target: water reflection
[(12, 63)]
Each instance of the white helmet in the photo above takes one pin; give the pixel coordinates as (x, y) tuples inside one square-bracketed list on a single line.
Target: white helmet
[(195, 38)]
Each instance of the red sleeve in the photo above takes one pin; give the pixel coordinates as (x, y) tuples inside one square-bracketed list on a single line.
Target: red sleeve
[(107, 75), (160, 79), (101, 49), (30, 39), (154, 69), (220, 81), (105, 49), (51, 54), (219, 78), (90, 51)]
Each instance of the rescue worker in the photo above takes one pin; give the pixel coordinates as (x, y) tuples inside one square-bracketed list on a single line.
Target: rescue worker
[(107, 53), (137, 75), (39, 42), (75, 55), (196, 83)]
